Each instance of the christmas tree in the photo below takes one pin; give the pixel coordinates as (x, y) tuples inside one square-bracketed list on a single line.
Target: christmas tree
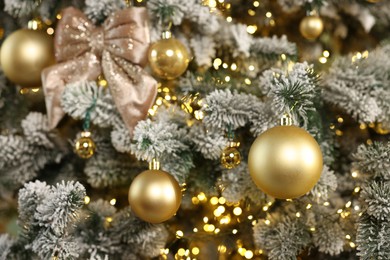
[(168, 129)]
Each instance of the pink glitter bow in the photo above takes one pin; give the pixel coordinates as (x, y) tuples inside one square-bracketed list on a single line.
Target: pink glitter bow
[(118, 49)]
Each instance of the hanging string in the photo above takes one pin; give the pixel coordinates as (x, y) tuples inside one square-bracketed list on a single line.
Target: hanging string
[(87, 120)]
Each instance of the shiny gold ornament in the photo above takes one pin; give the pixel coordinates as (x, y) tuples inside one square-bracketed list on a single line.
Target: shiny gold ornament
[(24, 54), (168, 57), (285, 162), (85, 147), (311, 27), (154, 195), (231, 156)]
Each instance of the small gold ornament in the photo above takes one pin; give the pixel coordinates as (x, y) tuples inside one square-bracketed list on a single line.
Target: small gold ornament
[(25, 53), (168, 57), (231, 156), (154, 195), (311, 27), (380, 129), (285, 162), (85, 147)]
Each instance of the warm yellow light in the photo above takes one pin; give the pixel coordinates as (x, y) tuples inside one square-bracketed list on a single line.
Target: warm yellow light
[(248, 81), (312, 229), (179, 234), (298, 214), (233, 66), (322, 60), (225, 65), (268, 14), (214, 201), (195, 200), (205, 219), (87, 200), (326, 54), (217, 230), (251, 12), (250, 217), (363, 126), (347, 236), (227, 78), (308, 206), (352, 244), (357, 208), (248, 254), (267, 221), (339, 211), (195, 230), (113, 202), (229, 19), (202, 196), (326, 203), (340, 119), (209, 227), (354, 174), (181, 252), (283, 56), (195, 251), (221, 200), (234, 231), (256, 4), (50, 31), (225, 220), (241, 251), (237, 211), (222, 248), (109, 219), (349, 203), (265, 208), (251, 29)]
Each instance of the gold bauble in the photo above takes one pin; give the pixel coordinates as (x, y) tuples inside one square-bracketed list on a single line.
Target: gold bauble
[(285, 162), (168, 58), (231, 156), (311, 27), (85, 147), (24, 54), (154, 196)]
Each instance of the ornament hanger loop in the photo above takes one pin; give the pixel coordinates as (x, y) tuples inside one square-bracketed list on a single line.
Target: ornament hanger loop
[(154, 164), (286, 120)]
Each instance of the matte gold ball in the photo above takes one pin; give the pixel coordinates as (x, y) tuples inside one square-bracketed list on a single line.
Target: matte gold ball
[(154, 196), (285, 162), (230, 157), (85, 147), (311, 27), (168, 58), (24, 54)]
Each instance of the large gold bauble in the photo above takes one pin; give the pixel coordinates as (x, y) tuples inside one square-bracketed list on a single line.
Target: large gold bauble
[(285, 162), (85, 147), (168, 58), (154, 196), (311, 27), (24, 54)]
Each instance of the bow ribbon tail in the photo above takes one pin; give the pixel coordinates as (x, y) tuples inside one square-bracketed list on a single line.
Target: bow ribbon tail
[(132, 89), (55, 78)]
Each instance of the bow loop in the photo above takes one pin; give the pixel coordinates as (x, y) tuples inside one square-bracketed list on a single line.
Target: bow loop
[(118, 48)]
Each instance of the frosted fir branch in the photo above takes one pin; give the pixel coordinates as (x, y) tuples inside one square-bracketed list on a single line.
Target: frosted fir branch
[(203, 49), (20, 8), (97, 11), (30, 196), (329, 237), (13, 148), (107, 169), (47, 245), (224, 108), (209, 142), (3, 87), (102, 208), (178, 164), (143, 238), (326, 184), (372, 238), (36, 130), (283, 240), (172, 114), (293, 93), (360, 87), (377, 196), (241, 39), (205, 22), (6, 243), (166, 10), (59, 208), (263, 117), (155, 139), (121, 139), (78, 97), (273, 47), (373, 160), (238, 185)]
